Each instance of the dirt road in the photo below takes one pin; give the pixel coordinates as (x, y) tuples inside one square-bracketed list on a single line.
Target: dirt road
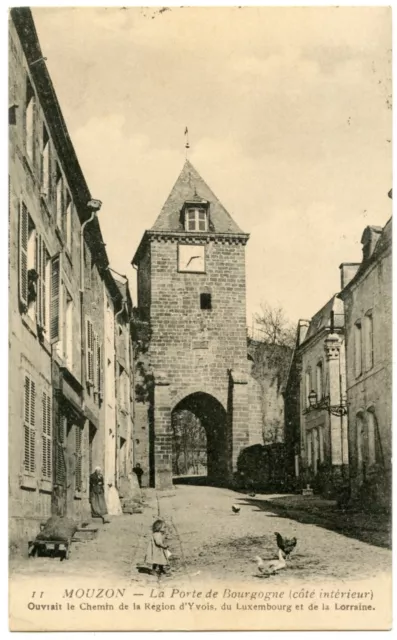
[(208, 541)]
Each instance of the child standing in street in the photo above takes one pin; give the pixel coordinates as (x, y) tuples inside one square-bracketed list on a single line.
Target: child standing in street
[(157, 553)]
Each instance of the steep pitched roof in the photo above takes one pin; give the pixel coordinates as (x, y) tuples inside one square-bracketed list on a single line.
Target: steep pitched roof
[(383, 242), (191, 187), (385, 239), (322, 319)]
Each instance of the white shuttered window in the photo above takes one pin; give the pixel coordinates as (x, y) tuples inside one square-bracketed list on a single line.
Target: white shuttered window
[(89, 352), (47, 438), (55, 327), (29, 425)]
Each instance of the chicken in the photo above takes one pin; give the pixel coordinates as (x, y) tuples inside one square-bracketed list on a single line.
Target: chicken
[(235, 508), (272, 567), (285, 544)]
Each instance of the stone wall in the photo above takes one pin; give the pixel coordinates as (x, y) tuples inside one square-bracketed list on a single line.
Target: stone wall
[(370, 394), (269, 367), (57, 369), (194, 350), (30, 352), (195, 347)]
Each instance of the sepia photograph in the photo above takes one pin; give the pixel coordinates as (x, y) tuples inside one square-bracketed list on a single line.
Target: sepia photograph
[(200, 318)]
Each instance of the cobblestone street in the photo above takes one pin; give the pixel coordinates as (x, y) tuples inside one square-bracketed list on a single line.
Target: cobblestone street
[(209, 542)]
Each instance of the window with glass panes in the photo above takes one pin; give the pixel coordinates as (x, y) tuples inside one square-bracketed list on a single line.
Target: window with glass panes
[(196, 220)]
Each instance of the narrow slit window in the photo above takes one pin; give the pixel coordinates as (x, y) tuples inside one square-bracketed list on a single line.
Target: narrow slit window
[(45, 165), (59, 197), (308, 384), (68, 222), (205, 301), (68, 329), (320, 380), (369, 341), (29, 120), (358, 349)]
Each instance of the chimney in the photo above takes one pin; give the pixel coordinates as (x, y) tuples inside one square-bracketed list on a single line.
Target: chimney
[(347, 272), (303, 326), (369, 239)]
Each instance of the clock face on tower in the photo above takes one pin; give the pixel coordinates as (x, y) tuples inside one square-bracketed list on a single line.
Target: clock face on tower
[(191, 258)]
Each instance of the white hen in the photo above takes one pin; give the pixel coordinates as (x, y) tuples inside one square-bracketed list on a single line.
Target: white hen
[(272, 567)]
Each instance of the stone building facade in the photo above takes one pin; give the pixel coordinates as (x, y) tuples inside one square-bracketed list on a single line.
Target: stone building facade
[(125, 480), (318, 386), (367, 296), (57, 282), (191, 293)]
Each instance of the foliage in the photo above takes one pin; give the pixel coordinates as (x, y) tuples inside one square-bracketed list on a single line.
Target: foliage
[(274, 326), (141, 334), (189, 443), (273, 432), (145, 382)]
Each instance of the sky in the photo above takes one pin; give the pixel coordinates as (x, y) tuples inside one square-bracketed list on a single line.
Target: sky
[(289, 123)]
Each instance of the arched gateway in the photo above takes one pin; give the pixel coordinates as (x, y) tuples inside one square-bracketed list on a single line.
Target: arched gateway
[(191, 293), (213, 418)]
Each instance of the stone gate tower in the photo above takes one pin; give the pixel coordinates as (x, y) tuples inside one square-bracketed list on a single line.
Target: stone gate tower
[(191, 291)]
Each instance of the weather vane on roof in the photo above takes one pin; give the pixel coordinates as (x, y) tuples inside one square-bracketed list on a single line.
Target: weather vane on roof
[(187, 145)]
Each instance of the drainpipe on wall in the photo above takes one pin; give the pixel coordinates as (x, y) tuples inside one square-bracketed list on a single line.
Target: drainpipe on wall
[(131, 400), (116, 384), (94, 205)]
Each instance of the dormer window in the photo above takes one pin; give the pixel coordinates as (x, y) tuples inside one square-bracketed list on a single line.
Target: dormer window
[(196, 219), (194, 215)]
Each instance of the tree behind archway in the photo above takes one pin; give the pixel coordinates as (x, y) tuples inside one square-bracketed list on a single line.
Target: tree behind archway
[(189, 443)]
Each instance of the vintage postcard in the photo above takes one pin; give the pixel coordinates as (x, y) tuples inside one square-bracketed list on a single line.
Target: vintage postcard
[(200, 385)]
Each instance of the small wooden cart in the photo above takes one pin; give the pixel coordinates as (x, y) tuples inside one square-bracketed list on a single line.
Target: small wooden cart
[(56, 547), (50, 548)]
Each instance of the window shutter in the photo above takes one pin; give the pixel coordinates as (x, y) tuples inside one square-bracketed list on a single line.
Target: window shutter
[(55, 299), (44, 292), (44, 434), (29, 425), (79, 475), (87, 350), (40, 268), (91, 355), (60, 469), (95, 361), (23, 254), (47, 437), (32, 426), (100, 369), (42, 283), (90, 352)]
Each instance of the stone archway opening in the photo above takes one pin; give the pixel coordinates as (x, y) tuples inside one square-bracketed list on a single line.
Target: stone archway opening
[(189, 445), (200, 418)]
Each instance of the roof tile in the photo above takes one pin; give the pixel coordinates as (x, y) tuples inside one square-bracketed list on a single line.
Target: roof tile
[(191, 187)]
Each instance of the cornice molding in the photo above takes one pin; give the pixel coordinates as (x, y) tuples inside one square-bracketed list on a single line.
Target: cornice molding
[(197, 238)]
